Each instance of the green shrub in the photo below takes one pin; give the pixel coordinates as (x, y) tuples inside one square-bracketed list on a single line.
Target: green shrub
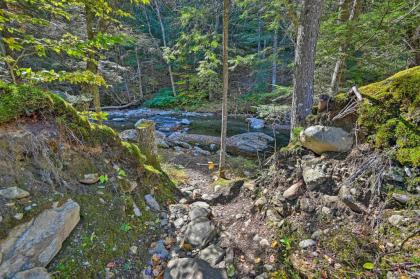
[(164, 98)]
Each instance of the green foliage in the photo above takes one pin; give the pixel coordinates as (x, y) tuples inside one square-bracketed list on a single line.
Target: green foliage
[(103, 179), (390, 113), (163, 99)]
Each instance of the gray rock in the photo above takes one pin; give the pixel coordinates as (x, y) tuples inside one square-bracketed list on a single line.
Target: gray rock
[(249, 144), (256, 123), (34, 273), (151, 202), (264, 243), (306, 205), (160, 250), (185, 121), (188, 268), (213, 254), (13, 193), (130, 135), (401, 198), (395, 220), (314, 177), (294, 191), (304, 244), (198, 212), (260, 202), (200, 232), (322, 139), (35, 243)]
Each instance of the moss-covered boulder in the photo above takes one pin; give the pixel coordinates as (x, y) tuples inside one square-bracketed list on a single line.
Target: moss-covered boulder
[(390, 114)]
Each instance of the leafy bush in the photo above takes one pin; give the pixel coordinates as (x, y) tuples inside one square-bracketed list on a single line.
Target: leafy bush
[(163, 99)]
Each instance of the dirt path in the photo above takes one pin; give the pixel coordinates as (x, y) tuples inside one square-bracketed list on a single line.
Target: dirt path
[(242, 230)]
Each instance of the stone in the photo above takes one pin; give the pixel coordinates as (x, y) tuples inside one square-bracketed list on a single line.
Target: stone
[(213, 254), (264, 243), (306, 205), (35, 243), (133, 250), (151, 202), (90, 179), (34, 273), (200, 232), (260, 202), (178, 223), (136, 210), (129, 135), (159, 249), (249, 144), (395, 220), (185, 121), (314, 177), (304, 244), (322, 139), (188, 268), (256, 123), (294, 191), (401, 198), (12, 193), (18, 216), (198, 212)]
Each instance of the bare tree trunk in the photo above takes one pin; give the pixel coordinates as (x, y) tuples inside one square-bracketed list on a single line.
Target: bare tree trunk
[(303, 87), (346, 13), (162, 28), (259, 35), (222, 161), (139, 75), (274, 67), (92, 61), (3, 48)]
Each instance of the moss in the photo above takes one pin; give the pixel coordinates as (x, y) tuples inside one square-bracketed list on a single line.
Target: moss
[(105, 233), (390, 112), (134, 150)]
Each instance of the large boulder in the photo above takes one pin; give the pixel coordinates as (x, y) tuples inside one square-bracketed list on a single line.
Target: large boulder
[(249, 144), (322, 139), (35, 243), (188, 268)]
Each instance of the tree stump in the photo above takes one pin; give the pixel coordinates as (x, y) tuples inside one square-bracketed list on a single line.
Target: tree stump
[(146, 141)]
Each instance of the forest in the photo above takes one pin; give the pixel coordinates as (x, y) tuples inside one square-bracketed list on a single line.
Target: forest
[(177, 139)]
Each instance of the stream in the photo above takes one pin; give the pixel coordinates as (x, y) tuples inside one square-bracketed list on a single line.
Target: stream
[(168, 121)]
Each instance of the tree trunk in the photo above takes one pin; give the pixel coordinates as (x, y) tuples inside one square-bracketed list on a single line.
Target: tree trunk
[(92, 61), (3, 49), (139, 75), (274, 67), (347, 12), (162, 28), (303, 86), (222, 161)]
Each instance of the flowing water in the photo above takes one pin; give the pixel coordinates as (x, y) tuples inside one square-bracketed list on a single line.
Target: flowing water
[(190, 122)]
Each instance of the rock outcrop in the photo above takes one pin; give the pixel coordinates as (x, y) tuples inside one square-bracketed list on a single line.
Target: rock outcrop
[(322, 139), (35, 243)]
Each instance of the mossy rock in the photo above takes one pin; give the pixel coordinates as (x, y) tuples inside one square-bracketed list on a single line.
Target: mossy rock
[(390, 114)]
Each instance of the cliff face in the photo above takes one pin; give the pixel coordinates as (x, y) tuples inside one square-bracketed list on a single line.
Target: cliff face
[(50, 152)]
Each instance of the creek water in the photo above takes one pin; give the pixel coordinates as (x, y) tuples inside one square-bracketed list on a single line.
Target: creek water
[(190, 122)]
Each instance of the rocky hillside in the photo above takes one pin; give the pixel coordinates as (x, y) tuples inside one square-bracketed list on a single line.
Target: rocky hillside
[(71, 190), (346, 206)]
